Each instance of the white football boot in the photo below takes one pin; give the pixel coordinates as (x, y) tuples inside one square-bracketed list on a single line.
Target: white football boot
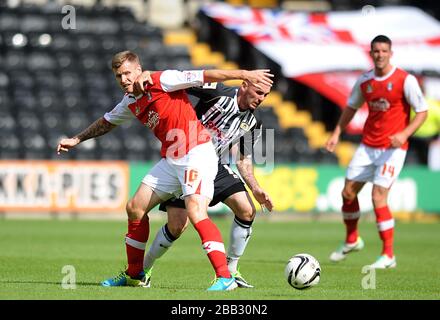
[(384, 262), (345, 249)]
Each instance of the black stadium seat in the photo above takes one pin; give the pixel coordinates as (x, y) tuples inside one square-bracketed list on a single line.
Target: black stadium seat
[(33, 23), (34, 145), (22, 79), (55, 82), (41, 61), (9, 21), (10, 145), (28, 121)]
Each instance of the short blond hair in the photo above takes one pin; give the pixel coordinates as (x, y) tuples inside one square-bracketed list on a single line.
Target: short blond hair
[(119, 58)]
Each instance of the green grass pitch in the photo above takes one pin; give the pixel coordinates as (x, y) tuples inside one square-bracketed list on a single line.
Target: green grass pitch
[(34, 252)]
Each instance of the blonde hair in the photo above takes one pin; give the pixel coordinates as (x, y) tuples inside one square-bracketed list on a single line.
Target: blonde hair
[(119, 58)]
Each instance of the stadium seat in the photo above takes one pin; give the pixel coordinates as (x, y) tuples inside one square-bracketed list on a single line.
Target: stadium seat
[(76, 122), (46, 80), (70, 81), (99, 100), (2, 58), (110, 43), (67, 62), (33, 23), (86, 151), (22, 79), (87, 43), (34, 145), (24, 101), (141, 146), (48, 101), (10, 146), (41, 61), (90, 63), (53, 121), (96, 81), (7, 122), (5, 100), (63, 42), (9, 21), (14, 60), (28, 121), (73, 101)]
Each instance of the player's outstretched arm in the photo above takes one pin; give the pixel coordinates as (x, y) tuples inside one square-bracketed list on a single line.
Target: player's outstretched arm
[(96, 129), (344, 120), (246, 170), (256, 77)]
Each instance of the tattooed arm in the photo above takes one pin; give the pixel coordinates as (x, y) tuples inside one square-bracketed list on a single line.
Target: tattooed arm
[(246, 169), (96, 129)]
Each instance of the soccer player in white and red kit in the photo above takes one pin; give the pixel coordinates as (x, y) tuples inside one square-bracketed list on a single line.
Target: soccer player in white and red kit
[(188, 164), (389, 92)]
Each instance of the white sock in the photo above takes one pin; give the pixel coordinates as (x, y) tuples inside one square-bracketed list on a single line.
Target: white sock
[(239, 237), (161, 243)]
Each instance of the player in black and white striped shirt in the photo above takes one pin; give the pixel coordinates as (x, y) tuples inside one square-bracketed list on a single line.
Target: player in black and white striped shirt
[(228, 114)]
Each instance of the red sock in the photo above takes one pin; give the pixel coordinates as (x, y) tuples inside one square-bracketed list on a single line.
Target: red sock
[(213, 245), (135, 242), (351, 214), (385, 224)]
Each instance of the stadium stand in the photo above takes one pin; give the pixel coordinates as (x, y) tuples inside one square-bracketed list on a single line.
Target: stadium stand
[(55, 81)]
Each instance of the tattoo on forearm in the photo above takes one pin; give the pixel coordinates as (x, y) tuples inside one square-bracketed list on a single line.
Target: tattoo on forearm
[(96, 129), (246, 171)]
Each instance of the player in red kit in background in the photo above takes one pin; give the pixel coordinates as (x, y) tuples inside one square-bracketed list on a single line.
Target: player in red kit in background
[(188, 165), (389, 92)]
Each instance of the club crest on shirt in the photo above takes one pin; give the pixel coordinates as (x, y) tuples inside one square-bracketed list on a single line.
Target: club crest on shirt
[(153, 119), (244, 126), (390, 86), (189, 76), (369, 88)]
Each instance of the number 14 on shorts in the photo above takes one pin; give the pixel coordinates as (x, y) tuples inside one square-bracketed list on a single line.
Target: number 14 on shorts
[(387, 170)]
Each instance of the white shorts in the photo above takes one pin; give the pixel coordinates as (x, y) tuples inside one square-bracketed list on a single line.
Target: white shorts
[(193, 173), (379, 166)]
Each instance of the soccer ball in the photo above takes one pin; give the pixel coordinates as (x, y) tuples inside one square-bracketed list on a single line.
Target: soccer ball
[(302, 271)]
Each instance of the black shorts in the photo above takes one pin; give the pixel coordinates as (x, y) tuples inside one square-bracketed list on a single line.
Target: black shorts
[(226, 183)]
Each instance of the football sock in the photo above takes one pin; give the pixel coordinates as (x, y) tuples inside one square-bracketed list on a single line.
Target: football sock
[(162, 242), (213, 245), (240, 233), (385, 225), (135, 242), (351, 214)]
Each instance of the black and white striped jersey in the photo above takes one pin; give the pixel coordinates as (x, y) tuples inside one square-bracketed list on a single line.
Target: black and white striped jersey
[(217, 108)]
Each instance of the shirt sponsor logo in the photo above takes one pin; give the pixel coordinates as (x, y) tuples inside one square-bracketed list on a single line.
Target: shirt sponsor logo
[(381, 104)]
